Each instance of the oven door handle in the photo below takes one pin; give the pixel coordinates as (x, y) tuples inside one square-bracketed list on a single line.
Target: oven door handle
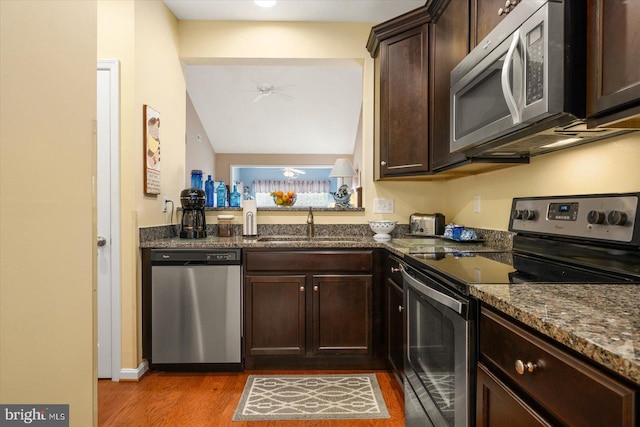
[(446, 300)]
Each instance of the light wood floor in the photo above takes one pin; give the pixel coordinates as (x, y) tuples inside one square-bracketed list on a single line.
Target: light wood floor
[(210, 399)]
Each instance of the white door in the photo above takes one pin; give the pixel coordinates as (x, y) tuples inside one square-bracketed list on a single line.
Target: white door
[(108, 226)]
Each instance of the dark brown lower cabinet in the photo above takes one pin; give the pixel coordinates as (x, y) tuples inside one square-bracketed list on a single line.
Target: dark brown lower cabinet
[(395, 318), (342, 314), (275, 320), (311, 309), (497, 405), (526, 379)]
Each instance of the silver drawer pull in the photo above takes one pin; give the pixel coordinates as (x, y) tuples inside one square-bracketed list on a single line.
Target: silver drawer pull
[(521, 367), (395, 270), (301, 288), (400, 308)]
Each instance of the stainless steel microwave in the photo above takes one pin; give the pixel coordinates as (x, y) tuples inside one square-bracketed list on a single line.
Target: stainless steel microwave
[(522, 90)]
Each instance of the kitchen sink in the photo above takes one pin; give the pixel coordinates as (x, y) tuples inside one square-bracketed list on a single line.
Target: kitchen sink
[(318, 239)]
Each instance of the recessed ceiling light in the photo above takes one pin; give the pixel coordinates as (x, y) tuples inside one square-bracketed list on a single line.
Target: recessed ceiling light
[(265, 3)]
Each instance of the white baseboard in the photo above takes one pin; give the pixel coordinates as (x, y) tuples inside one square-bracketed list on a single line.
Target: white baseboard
[(129, 374)]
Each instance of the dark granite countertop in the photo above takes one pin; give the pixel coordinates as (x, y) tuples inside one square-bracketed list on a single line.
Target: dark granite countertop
[(601, 322)]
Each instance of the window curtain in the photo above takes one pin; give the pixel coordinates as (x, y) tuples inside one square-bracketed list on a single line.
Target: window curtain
[(298, 186)]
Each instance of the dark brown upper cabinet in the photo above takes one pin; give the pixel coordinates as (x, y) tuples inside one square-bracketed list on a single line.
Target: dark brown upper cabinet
[(400, 49), (613, 63), (485, 15)]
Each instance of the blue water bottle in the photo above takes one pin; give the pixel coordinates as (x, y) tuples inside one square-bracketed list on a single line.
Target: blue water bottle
[(209, 190), (196, 179), (221, 194)]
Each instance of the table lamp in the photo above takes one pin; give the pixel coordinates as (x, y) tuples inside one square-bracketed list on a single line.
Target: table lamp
[(342, 169)]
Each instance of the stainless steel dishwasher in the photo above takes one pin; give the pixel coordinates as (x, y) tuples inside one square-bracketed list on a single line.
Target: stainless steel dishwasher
[(196, 308)]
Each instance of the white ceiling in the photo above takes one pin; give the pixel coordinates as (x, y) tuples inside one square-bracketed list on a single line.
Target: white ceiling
[(318, 106), (293, 10), (314, 109)]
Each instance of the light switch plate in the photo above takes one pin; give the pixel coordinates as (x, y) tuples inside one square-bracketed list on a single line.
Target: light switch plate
[(382, 205)]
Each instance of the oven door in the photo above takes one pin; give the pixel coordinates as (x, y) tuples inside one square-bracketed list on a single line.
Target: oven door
[(510, 87), (437, 364)]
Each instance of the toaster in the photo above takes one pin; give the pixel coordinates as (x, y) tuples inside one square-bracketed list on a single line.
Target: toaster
[(426, 224)]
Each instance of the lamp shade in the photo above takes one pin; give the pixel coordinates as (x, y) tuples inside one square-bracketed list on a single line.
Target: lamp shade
[(342, 168)]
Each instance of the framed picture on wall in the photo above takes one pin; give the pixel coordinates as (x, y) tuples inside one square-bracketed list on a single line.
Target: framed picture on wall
[(151, 150)]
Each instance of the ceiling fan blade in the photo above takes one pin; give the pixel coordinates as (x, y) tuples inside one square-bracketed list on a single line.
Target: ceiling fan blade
[(283, 95), (259, 97), (298, 171)]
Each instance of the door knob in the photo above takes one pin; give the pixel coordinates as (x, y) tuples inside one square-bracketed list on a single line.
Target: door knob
[(101, 241)]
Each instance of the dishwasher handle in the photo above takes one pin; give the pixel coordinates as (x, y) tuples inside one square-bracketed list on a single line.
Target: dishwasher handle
[(429, 292)]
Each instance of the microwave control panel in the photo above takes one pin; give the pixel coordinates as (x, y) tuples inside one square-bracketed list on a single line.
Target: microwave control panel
[(535, 64), (603, 217)]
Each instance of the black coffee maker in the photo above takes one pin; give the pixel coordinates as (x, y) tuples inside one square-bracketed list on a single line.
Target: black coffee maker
[(193, 223)]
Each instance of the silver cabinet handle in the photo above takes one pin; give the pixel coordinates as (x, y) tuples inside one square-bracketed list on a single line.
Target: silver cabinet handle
[(315, 288), (395, 270), (521, 367), (383, 163), (400, 308), (101, 241), (301, 288)]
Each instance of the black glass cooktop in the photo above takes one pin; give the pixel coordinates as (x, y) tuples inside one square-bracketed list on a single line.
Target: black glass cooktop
[(510, 267)]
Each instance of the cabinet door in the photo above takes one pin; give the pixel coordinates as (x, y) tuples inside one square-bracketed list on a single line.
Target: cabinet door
[(485, 15), (613, 60), (449, 45), (496, 405), (342, 314), (275, 315), (484, 18), (404, 117), (395, 327)]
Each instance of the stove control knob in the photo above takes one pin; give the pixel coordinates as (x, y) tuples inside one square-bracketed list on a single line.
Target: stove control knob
[(617, 218), (524, 214), (595, 217)]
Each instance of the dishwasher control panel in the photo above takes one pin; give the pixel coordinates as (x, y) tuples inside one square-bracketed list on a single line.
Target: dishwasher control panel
[(212, 256)]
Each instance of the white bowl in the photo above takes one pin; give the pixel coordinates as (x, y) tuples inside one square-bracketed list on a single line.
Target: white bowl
[(382, 229)]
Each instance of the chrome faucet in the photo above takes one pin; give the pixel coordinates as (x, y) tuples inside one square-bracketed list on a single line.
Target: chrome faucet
[(310, 231)]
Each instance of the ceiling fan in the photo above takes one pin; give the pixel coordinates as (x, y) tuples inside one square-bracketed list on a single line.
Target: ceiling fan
[(266, 89), (292, 173)]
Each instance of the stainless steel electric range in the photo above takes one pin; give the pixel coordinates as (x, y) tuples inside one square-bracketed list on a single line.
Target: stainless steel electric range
[(584, 239)]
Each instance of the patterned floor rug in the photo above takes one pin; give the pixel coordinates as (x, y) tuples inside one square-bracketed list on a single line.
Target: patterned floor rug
[(311, 397)]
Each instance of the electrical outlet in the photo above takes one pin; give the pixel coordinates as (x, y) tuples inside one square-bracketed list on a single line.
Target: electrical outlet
[(382, 205), (476, 203), (164, 204)]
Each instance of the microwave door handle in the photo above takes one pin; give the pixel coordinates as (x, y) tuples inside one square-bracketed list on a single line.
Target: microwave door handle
[(506, 89)]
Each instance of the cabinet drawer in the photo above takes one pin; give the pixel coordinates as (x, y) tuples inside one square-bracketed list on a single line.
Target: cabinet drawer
[(310, 261), (568, 388)]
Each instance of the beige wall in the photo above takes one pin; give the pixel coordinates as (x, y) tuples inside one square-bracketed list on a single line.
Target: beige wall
[(47, 207), (608, 166), (142, 35), (199, 154)]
